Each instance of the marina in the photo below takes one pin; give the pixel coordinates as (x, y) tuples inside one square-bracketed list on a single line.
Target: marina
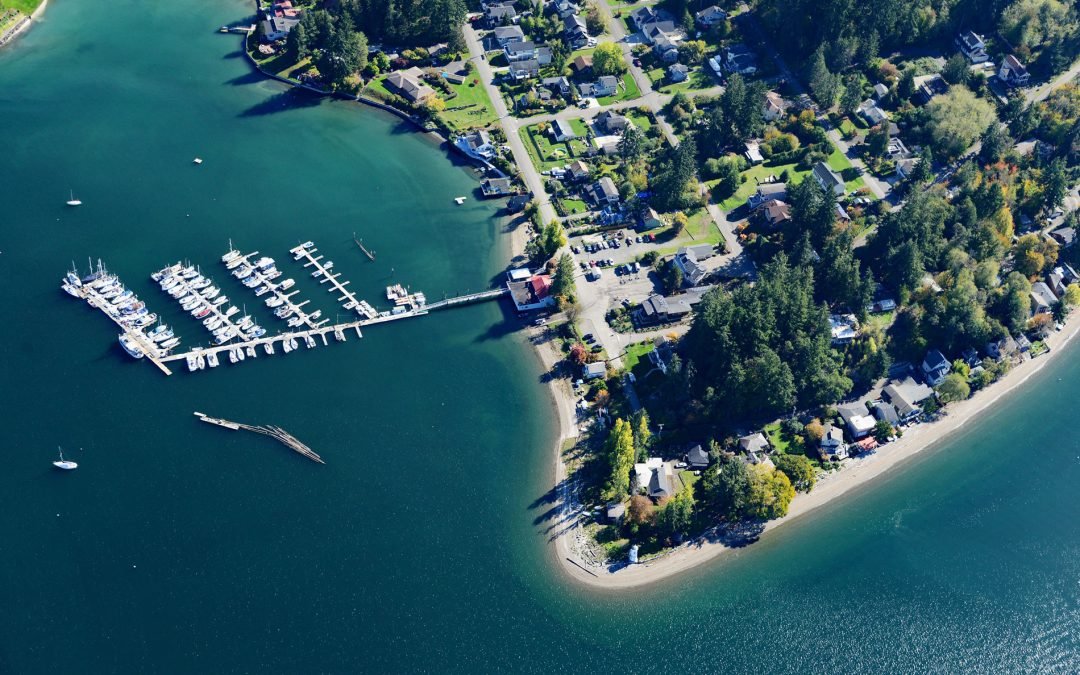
[(270, 430), (239, 339)]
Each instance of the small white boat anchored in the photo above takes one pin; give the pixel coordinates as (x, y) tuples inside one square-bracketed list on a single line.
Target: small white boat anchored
[(197, 160), (459, 200), (71, 199), (65, 464)]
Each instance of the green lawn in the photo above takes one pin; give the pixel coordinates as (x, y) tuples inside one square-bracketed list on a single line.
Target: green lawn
[(847, 128), (580, 127), (479, 113), (839, 162), (628, 92), (640, 119), (688, 478), (545, 155), (636, 352), (698, 79), (572, 206), (24, 6), (776, 439), (700, 230), (378, 86), (754, 175)]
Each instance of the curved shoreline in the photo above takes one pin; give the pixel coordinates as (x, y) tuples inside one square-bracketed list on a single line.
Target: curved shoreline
[(858, 473), (25, 25)]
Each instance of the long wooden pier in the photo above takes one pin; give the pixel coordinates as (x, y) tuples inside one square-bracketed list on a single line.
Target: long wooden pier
[(279, 292), (360, 243), (145, 344), (270, 430)]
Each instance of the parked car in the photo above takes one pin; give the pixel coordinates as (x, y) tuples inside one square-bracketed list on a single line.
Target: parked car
[(588, 337)]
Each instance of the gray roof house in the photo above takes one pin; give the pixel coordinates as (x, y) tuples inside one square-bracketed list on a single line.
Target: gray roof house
[(766, 192), (604, 191), (1000, 349), (689, 260), (886, 412), (496, 15), (591, 371), (504, 35), (710, 16), (972, 46), (606, 85), (906, 396), (520, 51), (935, 367), (872, 113), (1042, 298), (524, 70), (697, 457), (611, 122), (829, 180), (832, 443), (754, 443), (561, 131), (678, 72)]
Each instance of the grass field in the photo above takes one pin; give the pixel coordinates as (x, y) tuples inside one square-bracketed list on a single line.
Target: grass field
[(697, 79), (572, 206), (480, 112), (544, 154), (24, 6), (755, 175), (640, 119), (700, 230), (635, 353), (839, 162), (627, 92)]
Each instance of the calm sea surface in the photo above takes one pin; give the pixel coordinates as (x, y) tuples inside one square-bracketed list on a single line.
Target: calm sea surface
[(178, 547)]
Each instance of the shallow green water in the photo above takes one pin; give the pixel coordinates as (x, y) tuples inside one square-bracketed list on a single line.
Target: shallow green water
[(178, 547)]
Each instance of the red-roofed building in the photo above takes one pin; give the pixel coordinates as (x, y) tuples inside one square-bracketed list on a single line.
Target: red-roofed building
[(532, 294)]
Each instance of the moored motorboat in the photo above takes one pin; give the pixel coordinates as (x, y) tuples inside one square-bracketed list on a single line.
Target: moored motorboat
[(268, 347), (130, 346), (212, 359)]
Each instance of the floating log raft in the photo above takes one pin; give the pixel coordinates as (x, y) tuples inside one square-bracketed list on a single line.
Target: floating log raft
[(269, 430)]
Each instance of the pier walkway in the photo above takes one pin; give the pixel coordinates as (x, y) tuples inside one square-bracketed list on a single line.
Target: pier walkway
[(324, 273), (468, 299), (144, 343), (186, 289), (278, 289)]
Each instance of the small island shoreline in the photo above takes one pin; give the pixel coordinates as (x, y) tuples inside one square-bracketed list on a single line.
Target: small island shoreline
[(10, 38), (858, 473)]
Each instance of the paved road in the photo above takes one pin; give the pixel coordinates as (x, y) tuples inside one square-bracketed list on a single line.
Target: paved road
[(1040, 93)]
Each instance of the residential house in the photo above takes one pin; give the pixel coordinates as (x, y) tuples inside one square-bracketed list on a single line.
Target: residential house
[(582, 63), (1042, 298), (657, 309), (972, 46), (880, 90), (605, 192), (906, 166), (643, 16), (842, 216), (929, 86), (606, 85), (697, 457), (1056, 281), (665, 45), (776, 212), (754, 444), (606, 145), (476, 144), (1023, 344), (499, 15), (886, 412), (690, 260), (609, 122), (907, 396), (1013, 73), (532, 294), (832, 444), (753, 152), (517, 203), (883, 305), (678, 72), (859, 424), (561, 131), (935, 367), (520, 51), (557, 85), (710, 16), (525, 70), (970, 356), (575, 32), (845, 328), (544, 55), (870, 112), (829, 180), (1005, 348), (505, 35), (1064, 236), (578, 170), (410, 85), (276, 27), (766, 192), (654, 477), (563, 8), (496, 187), (592, 371), (616, 511), (896, 150), (650, 220), (775, 106)]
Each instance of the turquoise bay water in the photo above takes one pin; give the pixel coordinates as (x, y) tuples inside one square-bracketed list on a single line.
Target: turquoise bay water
[(177, 547)]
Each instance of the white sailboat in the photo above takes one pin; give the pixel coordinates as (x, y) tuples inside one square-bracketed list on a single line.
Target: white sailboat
[(73, 202), (65, 464)]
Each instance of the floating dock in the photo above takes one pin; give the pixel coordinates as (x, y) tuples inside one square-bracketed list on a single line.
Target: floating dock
[(270, 430), (324, 274), (360, 243), (278, 289)]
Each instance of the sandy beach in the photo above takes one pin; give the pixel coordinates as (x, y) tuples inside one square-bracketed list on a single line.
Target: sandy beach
[(856, 473)]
